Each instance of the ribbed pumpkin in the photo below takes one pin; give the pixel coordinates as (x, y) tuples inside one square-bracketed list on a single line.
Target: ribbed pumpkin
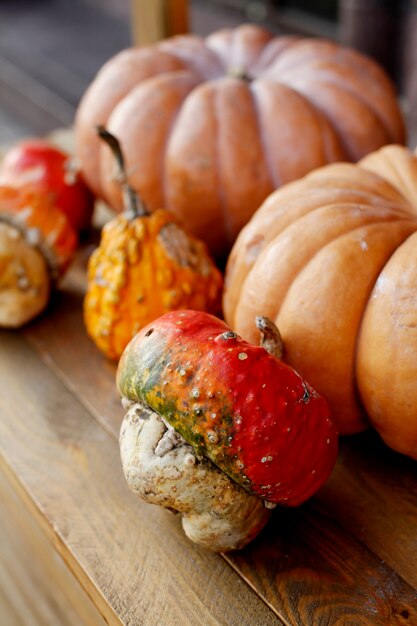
[(211, 126), (146, 265), (332, 259), (37, 243)]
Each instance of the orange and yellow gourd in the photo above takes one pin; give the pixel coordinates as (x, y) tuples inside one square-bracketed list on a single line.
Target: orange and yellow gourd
[(146, 265)]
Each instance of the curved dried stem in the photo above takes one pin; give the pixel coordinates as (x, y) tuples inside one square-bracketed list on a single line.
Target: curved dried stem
[(271, 338), (133, 205)]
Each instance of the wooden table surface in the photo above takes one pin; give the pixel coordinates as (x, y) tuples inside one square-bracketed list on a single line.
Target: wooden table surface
[(77, 548), (348, 557)]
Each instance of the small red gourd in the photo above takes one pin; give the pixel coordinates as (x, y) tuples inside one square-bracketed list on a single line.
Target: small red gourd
[(37, 242), (40, 167)]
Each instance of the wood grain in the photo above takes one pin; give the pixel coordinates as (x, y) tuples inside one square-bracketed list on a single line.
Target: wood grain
[(131, 558), (315, 573), (373, 495), (346, 557), (36, 588)]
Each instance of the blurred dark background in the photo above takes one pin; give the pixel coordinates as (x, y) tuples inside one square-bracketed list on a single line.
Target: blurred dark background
[(50, 50)]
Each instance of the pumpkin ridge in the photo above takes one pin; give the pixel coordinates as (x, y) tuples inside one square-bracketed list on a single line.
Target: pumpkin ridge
[(344, 175), (273, 174), (344, 55), (173, 48), (331, 150), (274, 177), (212, 43), (284, 66), (244, 169), (171, 87), (263, 66), (386, 378), (163, 176), (240, 46), (409, 191), (357, 381), (347, 88), (90, 149), (401, 235), (330, 76), (191, 164), (246, 178), (285, 201), (314, 91), (276, 242), (221, 190)]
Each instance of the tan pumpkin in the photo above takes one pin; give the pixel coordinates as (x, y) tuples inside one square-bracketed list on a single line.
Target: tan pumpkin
[(146, 265), (211, 126), (332, 259)]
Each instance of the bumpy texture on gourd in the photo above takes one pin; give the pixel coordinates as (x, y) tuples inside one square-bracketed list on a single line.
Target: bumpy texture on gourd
[(235, 403), (37, 242), (215, 511), (144, 267), (332, 259), (37, 166), (24, 279), (211, 126)]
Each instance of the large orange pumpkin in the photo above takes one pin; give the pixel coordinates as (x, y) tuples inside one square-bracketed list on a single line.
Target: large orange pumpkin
[(211, 126), (332, 259)]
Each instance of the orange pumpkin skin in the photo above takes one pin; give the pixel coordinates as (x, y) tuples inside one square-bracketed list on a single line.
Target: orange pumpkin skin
[(144, 267), (335, 254), (197, 133)]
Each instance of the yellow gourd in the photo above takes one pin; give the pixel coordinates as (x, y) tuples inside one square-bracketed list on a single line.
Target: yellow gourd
[(145, 266)]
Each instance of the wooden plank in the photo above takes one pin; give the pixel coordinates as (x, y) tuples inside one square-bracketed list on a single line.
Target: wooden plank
[(36, 588), (60, 338), (373, 494), (316, 561), (178, 16), (305, 566), (38, 106), (131, 558), (156, 20)]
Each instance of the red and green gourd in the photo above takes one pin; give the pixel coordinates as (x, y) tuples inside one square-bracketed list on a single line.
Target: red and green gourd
[(252, 415)]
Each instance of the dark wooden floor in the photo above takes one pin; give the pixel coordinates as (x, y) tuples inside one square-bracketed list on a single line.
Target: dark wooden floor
[(50, 51)]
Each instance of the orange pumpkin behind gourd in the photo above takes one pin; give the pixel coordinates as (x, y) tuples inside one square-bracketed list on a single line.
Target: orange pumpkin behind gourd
[(145, 266), (211, 126), (332, 259)]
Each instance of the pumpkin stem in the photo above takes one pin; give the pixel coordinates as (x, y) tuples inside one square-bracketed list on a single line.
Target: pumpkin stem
[(133, 205), (271, 338), (240, 73)]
